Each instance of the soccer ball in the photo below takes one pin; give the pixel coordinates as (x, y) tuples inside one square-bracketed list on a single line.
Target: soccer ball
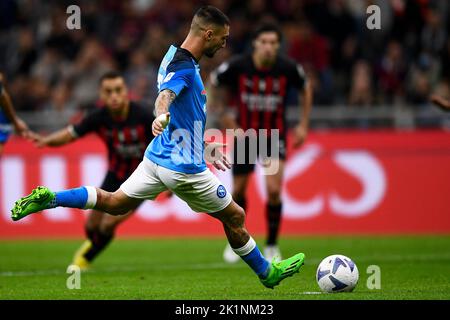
[(337, 273)]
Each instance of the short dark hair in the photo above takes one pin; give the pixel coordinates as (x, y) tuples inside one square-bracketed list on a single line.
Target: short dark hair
[(268, 27), (109, 75), (210, 14)]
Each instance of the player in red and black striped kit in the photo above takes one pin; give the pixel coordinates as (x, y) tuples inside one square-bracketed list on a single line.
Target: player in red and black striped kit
[(125, 128), (256, 85)]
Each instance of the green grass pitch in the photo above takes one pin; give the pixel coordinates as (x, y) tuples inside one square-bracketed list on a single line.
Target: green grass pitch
[(412, 267)]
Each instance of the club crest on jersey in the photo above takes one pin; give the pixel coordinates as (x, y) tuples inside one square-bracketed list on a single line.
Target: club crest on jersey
[(221, 191)]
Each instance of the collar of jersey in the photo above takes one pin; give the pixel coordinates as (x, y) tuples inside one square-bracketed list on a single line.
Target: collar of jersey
[(188, 53)]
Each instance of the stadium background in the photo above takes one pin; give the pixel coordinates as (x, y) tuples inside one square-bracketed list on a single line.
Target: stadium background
[(377, 160)]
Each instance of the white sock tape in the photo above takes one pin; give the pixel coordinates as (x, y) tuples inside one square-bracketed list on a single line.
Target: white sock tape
[(92, 197), (246, 249)]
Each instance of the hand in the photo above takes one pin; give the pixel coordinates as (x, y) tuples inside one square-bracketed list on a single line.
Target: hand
[(38, 140), (440, 102), (215, 156), (21, 128), (157, 126), (300, 134)]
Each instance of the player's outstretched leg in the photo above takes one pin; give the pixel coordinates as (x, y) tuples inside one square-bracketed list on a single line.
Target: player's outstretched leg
[(42, 198), (270, 274)]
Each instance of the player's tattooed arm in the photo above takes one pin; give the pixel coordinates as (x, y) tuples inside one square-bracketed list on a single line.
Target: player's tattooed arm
[(301, 131), (162, 103)]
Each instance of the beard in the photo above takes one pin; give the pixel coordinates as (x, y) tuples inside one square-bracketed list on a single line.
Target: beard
[(211, 52)]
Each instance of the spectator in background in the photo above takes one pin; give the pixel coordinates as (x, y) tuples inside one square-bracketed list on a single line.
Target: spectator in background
[(361, 91), (59, 108), (91, 63), (24, 55), (50, 66), (311, 50), (409, 56), (419, 87), (433, 36), (141, 78), (154, 40), (391, 73)]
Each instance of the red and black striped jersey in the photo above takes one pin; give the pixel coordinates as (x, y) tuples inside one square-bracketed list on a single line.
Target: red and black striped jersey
[(259, 95), (126, 140)]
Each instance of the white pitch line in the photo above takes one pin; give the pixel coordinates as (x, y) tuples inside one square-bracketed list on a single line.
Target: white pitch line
[(311, 292), (204, 266), (364, 259)]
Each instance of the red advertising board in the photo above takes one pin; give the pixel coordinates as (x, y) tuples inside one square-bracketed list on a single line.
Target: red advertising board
[(339, 182)]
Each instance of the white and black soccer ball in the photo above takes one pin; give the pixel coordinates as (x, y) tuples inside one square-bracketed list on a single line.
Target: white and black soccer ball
[(337, 273)]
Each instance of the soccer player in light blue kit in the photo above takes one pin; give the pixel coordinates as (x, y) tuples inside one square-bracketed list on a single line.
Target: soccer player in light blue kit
[(175, 158)]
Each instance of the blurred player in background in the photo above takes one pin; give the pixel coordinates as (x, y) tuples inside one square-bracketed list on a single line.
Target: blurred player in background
[(175, 160), (125, 128), (258, 84), (8, 117)]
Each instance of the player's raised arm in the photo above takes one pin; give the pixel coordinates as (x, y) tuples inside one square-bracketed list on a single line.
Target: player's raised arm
[(6, 104), (162, 103), (301, 131)]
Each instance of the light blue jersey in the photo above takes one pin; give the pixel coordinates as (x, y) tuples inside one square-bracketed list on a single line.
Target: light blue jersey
[(180, 146)]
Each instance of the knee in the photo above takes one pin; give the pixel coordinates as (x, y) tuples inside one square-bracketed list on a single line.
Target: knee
[(117, 210), (108, 227), (237, 218), (111, 204), (91, 225)]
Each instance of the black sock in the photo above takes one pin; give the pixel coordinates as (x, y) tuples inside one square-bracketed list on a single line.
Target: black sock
[(99, 241), (273, 222)]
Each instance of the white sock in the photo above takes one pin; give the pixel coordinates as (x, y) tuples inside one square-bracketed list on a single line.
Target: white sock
[(92, 197), (246, 249)]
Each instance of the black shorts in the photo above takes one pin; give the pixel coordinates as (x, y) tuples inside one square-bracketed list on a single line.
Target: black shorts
[(111, 182), (246, 165)]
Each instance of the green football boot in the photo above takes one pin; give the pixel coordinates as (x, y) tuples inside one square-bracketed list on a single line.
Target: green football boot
[(36, 201), (283, 269)]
